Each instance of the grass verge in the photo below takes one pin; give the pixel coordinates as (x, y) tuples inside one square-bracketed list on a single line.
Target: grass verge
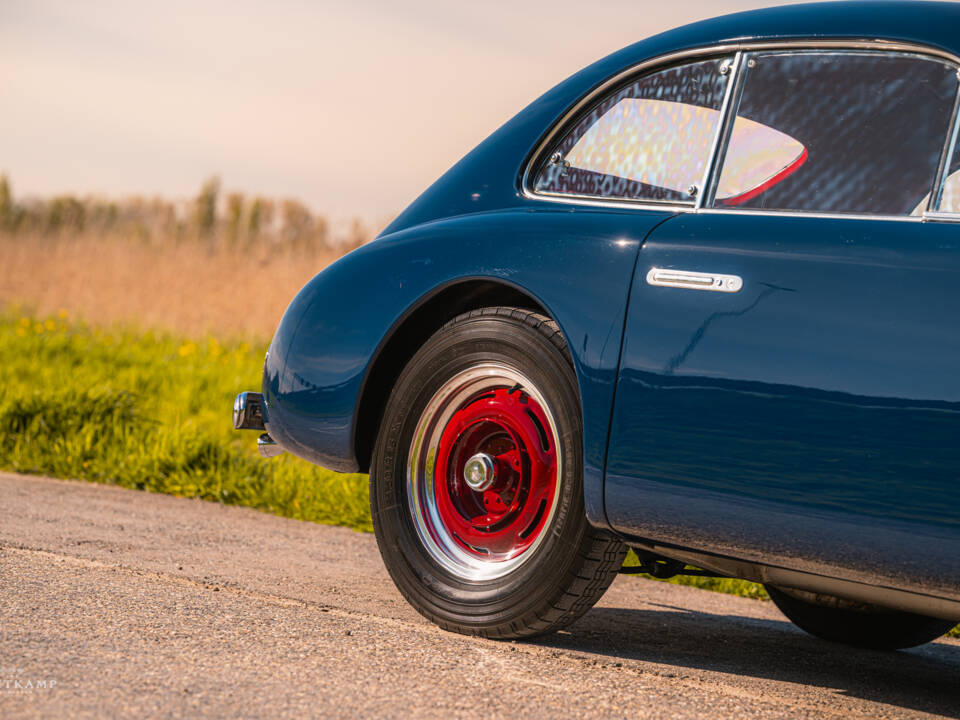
[(151, 411)]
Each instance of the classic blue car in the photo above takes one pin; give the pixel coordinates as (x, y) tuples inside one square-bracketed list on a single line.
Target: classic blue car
[(699, 300)]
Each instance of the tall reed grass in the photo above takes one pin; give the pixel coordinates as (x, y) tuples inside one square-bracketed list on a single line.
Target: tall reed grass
[(189, 289), (211, 218), (226, 265)]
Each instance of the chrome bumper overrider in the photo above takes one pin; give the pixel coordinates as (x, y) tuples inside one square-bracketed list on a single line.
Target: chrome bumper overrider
[(249, 413)]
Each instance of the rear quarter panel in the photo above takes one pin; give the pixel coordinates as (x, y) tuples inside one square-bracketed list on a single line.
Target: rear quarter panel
[(577, 265)]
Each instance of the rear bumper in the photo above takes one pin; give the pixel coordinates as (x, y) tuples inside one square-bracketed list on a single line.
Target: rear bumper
[(250, 413)]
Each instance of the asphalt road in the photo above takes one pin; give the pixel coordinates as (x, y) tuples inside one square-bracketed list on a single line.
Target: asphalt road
[(123, 603)]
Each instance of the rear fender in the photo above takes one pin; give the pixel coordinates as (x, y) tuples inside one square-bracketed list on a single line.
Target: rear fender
[(577, 266)]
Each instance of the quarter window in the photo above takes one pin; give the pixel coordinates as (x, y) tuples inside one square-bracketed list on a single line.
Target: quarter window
[(650, 140), (837, 132)]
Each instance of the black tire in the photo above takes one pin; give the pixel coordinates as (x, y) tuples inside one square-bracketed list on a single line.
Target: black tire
[(858, 624), (573, 563)]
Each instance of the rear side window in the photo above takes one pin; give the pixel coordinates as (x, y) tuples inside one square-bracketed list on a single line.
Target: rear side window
[(836, 132), (650, 140)]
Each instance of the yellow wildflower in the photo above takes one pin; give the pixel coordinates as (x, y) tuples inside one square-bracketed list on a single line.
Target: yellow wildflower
[(50, 325), (187, 349)]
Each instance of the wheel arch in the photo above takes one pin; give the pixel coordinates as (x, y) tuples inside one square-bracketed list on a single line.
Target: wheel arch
[(421, 320)]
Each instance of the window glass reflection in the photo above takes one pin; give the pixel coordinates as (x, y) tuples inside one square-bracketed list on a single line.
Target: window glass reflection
[(650, 140), (861, 132)]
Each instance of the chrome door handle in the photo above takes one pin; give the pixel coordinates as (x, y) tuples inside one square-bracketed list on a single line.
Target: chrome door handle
[(694, 280)]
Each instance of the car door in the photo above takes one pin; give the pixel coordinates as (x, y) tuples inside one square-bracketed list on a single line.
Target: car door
[(589, 166), (788, 390)]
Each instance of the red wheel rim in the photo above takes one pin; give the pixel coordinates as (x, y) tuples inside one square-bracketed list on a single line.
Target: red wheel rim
[(483, 472), (509, 427)]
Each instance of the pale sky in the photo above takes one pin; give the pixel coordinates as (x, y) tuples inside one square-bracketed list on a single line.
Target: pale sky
[(352, 107)]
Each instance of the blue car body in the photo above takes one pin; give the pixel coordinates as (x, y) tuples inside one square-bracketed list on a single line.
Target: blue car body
[(806, 426)]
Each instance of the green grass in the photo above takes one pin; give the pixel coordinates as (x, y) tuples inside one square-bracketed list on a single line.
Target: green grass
[(152, 412)]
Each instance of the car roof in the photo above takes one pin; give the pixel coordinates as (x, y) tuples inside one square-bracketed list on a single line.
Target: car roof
[(928, 23), (487, 178)]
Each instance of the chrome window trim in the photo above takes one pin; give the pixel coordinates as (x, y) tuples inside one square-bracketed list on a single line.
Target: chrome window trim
[(820, 215), (699, 204), (941, 217), (718, 154), (622, 203), (734, 85)]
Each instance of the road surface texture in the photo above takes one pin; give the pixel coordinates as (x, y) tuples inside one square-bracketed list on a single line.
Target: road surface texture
[(122, 603)]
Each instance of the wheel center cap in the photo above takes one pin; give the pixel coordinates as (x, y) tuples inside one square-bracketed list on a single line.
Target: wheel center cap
[(478, 472)]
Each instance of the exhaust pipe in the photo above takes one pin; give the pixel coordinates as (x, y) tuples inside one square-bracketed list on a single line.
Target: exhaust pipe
[(268, 446)]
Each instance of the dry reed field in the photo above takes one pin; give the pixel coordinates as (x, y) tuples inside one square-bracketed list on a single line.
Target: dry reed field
[(215, 264), (191, 289)]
